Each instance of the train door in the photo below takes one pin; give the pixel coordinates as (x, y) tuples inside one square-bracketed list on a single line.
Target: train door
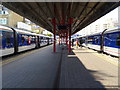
[(15, 41)]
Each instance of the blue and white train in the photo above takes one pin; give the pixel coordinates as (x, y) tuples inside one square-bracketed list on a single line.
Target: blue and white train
[(107, 41), (14, 40)]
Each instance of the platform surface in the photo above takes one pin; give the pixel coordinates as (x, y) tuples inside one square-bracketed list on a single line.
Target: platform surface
[(36, 70), (41, 68), (84, 68)]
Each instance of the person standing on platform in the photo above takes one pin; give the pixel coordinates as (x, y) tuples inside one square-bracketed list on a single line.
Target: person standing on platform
[(77, 44)]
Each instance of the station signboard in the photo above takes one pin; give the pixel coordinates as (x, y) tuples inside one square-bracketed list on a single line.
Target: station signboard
[(23, 26)]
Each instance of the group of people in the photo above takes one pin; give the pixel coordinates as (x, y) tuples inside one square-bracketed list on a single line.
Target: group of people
[(78, 43)]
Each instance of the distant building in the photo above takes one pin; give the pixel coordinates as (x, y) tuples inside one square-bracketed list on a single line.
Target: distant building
[(104, 26), (12, 19), (35, 28), (97, 28), (9, 18)]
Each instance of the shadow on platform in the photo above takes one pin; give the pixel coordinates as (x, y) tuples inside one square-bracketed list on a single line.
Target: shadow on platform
[(75, 75)]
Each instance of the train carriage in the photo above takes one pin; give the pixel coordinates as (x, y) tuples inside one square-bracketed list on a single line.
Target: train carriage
[(50, 40), (14, 40), (42, 40), (107, 41), (26, 40), (112, 41), (94, 41), (6, 41)]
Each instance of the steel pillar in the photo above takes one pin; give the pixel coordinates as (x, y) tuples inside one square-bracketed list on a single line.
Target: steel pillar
[(54, 31)]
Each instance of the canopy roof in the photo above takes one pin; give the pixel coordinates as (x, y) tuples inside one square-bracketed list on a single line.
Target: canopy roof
[(41, 13)]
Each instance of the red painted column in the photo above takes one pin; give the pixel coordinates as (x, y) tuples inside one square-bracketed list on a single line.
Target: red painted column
[(54, 31)]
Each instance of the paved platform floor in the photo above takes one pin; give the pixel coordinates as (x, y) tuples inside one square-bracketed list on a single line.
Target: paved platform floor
[(36, 70), (82, 68)]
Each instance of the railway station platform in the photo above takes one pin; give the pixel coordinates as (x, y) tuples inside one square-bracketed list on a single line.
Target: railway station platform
[(41, 68)]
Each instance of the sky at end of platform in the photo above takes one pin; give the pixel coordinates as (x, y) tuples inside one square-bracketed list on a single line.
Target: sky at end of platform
[(114, 14), (59, 0)]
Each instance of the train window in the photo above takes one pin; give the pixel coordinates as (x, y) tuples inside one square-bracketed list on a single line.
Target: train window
[(118, 40), (90, 40), (29, 40), (8, 41), (40, 40), (33, 39), (110, 35), (8, 38), (23, 39), (26, 37), (41, 37), (36, 39), (107, 35), (96, 40)]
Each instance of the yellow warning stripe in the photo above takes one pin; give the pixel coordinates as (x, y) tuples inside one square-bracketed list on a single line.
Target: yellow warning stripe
[(96, 54)]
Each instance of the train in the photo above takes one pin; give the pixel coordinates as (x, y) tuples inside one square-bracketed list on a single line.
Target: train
[(13, 40), (107, 41)]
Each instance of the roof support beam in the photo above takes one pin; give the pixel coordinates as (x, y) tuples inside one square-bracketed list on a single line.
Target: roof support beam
[(80, 15), (99, 13), (44, 14), (32, 10), (87, 14), (41, 13)]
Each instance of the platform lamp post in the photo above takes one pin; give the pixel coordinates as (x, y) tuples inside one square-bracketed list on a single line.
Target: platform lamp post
[(54, 32)]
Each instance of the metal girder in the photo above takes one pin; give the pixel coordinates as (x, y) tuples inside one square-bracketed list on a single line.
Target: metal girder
[(44, 13), (87, 14), (80, 14), (99, 13), (22, 11), (36, 13)]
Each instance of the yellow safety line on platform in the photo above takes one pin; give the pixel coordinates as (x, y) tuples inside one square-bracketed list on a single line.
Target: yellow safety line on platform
[(102, 57), (96, 54), (115, 63), (19, 57)]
